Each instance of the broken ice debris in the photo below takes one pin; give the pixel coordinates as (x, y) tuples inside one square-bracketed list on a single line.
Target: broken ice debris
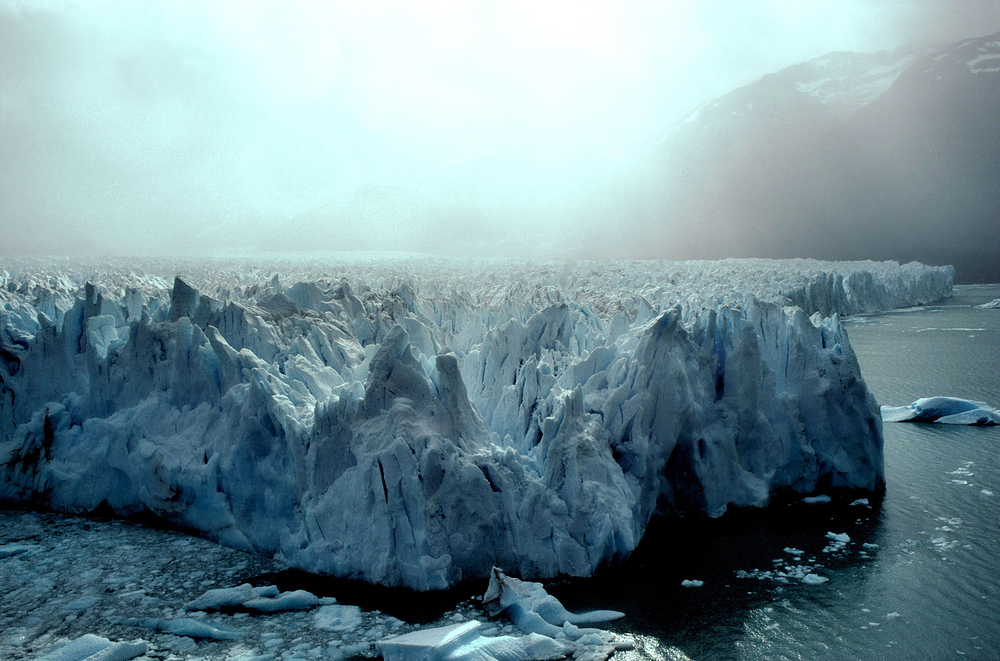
[(533, 610), (89, 646), (462, 642)]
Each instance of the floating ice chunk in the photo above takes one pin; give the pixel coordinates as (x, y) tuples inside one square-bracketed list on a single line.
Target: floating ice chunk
[(992, 305), (944, 410), (532, 609), (462, 642), (262, 600), (338, 618), (83, 603), (10, 550), (96, 648), (298, 600), (692, 583), (838, 542), (793, 551), (253, 655), (180, 644), (861, 502), (223, 598), (183, 626), (817, 500), (814, 579)]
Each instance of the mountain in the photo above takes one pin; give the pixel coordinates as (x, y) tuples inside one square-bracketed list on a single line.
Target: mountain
[(891, 155)]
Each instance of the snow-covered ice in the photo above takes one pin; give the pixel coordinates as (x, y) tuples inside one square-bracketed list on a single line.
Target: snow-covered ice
[(338, 617), (183, 626), (944, 410), (416, 422), (95, 648), (462, 642), (224, 598), (533, 610)]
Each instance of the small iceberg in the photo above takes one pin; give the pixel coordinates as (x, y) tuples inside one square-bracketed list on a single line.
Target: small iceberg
[(462, 642), (265, 599), (533, 610), (992, 305), (945, 410), (549, 631), (90, 647)]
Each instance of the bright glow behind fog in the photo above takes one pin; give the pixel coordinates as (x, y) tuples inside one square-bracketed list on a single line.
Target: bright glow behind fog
[(161, 126)]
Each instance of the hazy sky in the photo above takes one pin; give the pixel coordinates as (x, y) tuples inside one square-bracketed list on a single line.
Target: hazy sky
[(139, 127)]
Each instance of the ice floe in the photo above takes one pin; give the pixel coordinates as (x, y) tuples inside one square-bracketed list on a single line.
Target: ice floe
[(264, 599), (533, 610), (152, 603), (462, 642), (548, 630), (943, 410), (89, 647)]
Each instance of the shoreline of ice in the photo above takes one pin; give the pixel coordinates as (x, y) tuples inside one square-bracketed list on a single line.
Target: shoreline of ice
[(416, 422)]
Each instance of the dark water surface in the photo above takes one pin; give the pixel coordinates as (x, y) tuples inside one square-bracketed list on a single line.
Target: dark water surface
[(920, 576)]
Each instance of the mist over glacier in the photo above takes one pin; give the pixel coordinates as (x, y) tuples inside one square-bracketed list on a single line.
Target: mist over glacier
[(530, 129), (415, 422)]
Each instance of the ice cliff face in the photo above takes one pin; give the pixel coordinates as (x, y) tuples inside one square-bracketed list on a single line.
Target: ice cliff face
[(415, 422)]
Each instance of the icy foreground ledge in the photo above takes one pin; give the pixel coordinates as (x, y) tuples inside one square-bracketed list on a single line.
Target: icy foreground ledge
[(415, 422)]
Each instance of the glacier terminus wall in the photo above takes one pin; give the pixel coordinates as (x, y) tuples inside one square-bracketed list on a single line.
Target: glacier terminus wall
[(416, 421)]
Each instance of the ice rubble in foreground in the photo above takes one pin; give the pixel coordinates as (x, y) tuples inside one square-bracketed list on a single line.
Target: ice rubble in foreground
[(944, 410), (138, 592), (415, 422)]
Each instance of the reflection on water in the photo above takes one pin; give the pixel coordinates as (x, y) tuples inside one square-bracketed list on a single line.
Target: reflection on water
[(753, 599), (650, 647), (918, 577)]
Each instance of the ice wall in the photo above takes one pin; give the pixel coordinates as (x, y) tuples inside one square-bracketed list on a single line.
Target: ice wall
[(415, 422)]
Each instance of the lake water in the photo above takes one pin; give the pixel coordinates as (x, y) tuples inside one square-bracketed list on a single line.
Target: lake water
[(920, 577), (916, 576)]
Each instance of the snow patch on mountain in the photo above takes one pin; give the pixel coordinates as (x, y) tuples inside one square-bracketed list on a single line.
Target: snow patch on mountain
[(848, 81)]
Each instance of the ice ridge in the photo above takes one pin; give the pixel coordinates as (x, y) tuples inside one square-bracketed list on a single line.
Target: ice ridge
[(416, 422)]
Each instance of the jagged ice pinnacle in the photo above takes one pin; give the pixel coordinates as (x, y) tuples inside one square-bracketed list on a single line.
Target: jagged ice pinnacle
[(416, 422)]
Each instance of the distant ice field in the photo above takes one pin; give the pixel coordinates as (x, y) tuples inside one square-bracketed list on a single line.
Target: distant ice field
[(416, 421)]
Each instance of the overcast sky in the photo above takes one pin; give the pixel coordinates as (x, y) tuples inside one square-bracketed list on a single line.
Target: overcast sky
[(144, 127)]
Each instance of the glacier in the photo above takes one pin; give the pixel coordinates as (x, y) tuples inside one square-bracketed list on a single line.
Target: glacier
[(415, 421)]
